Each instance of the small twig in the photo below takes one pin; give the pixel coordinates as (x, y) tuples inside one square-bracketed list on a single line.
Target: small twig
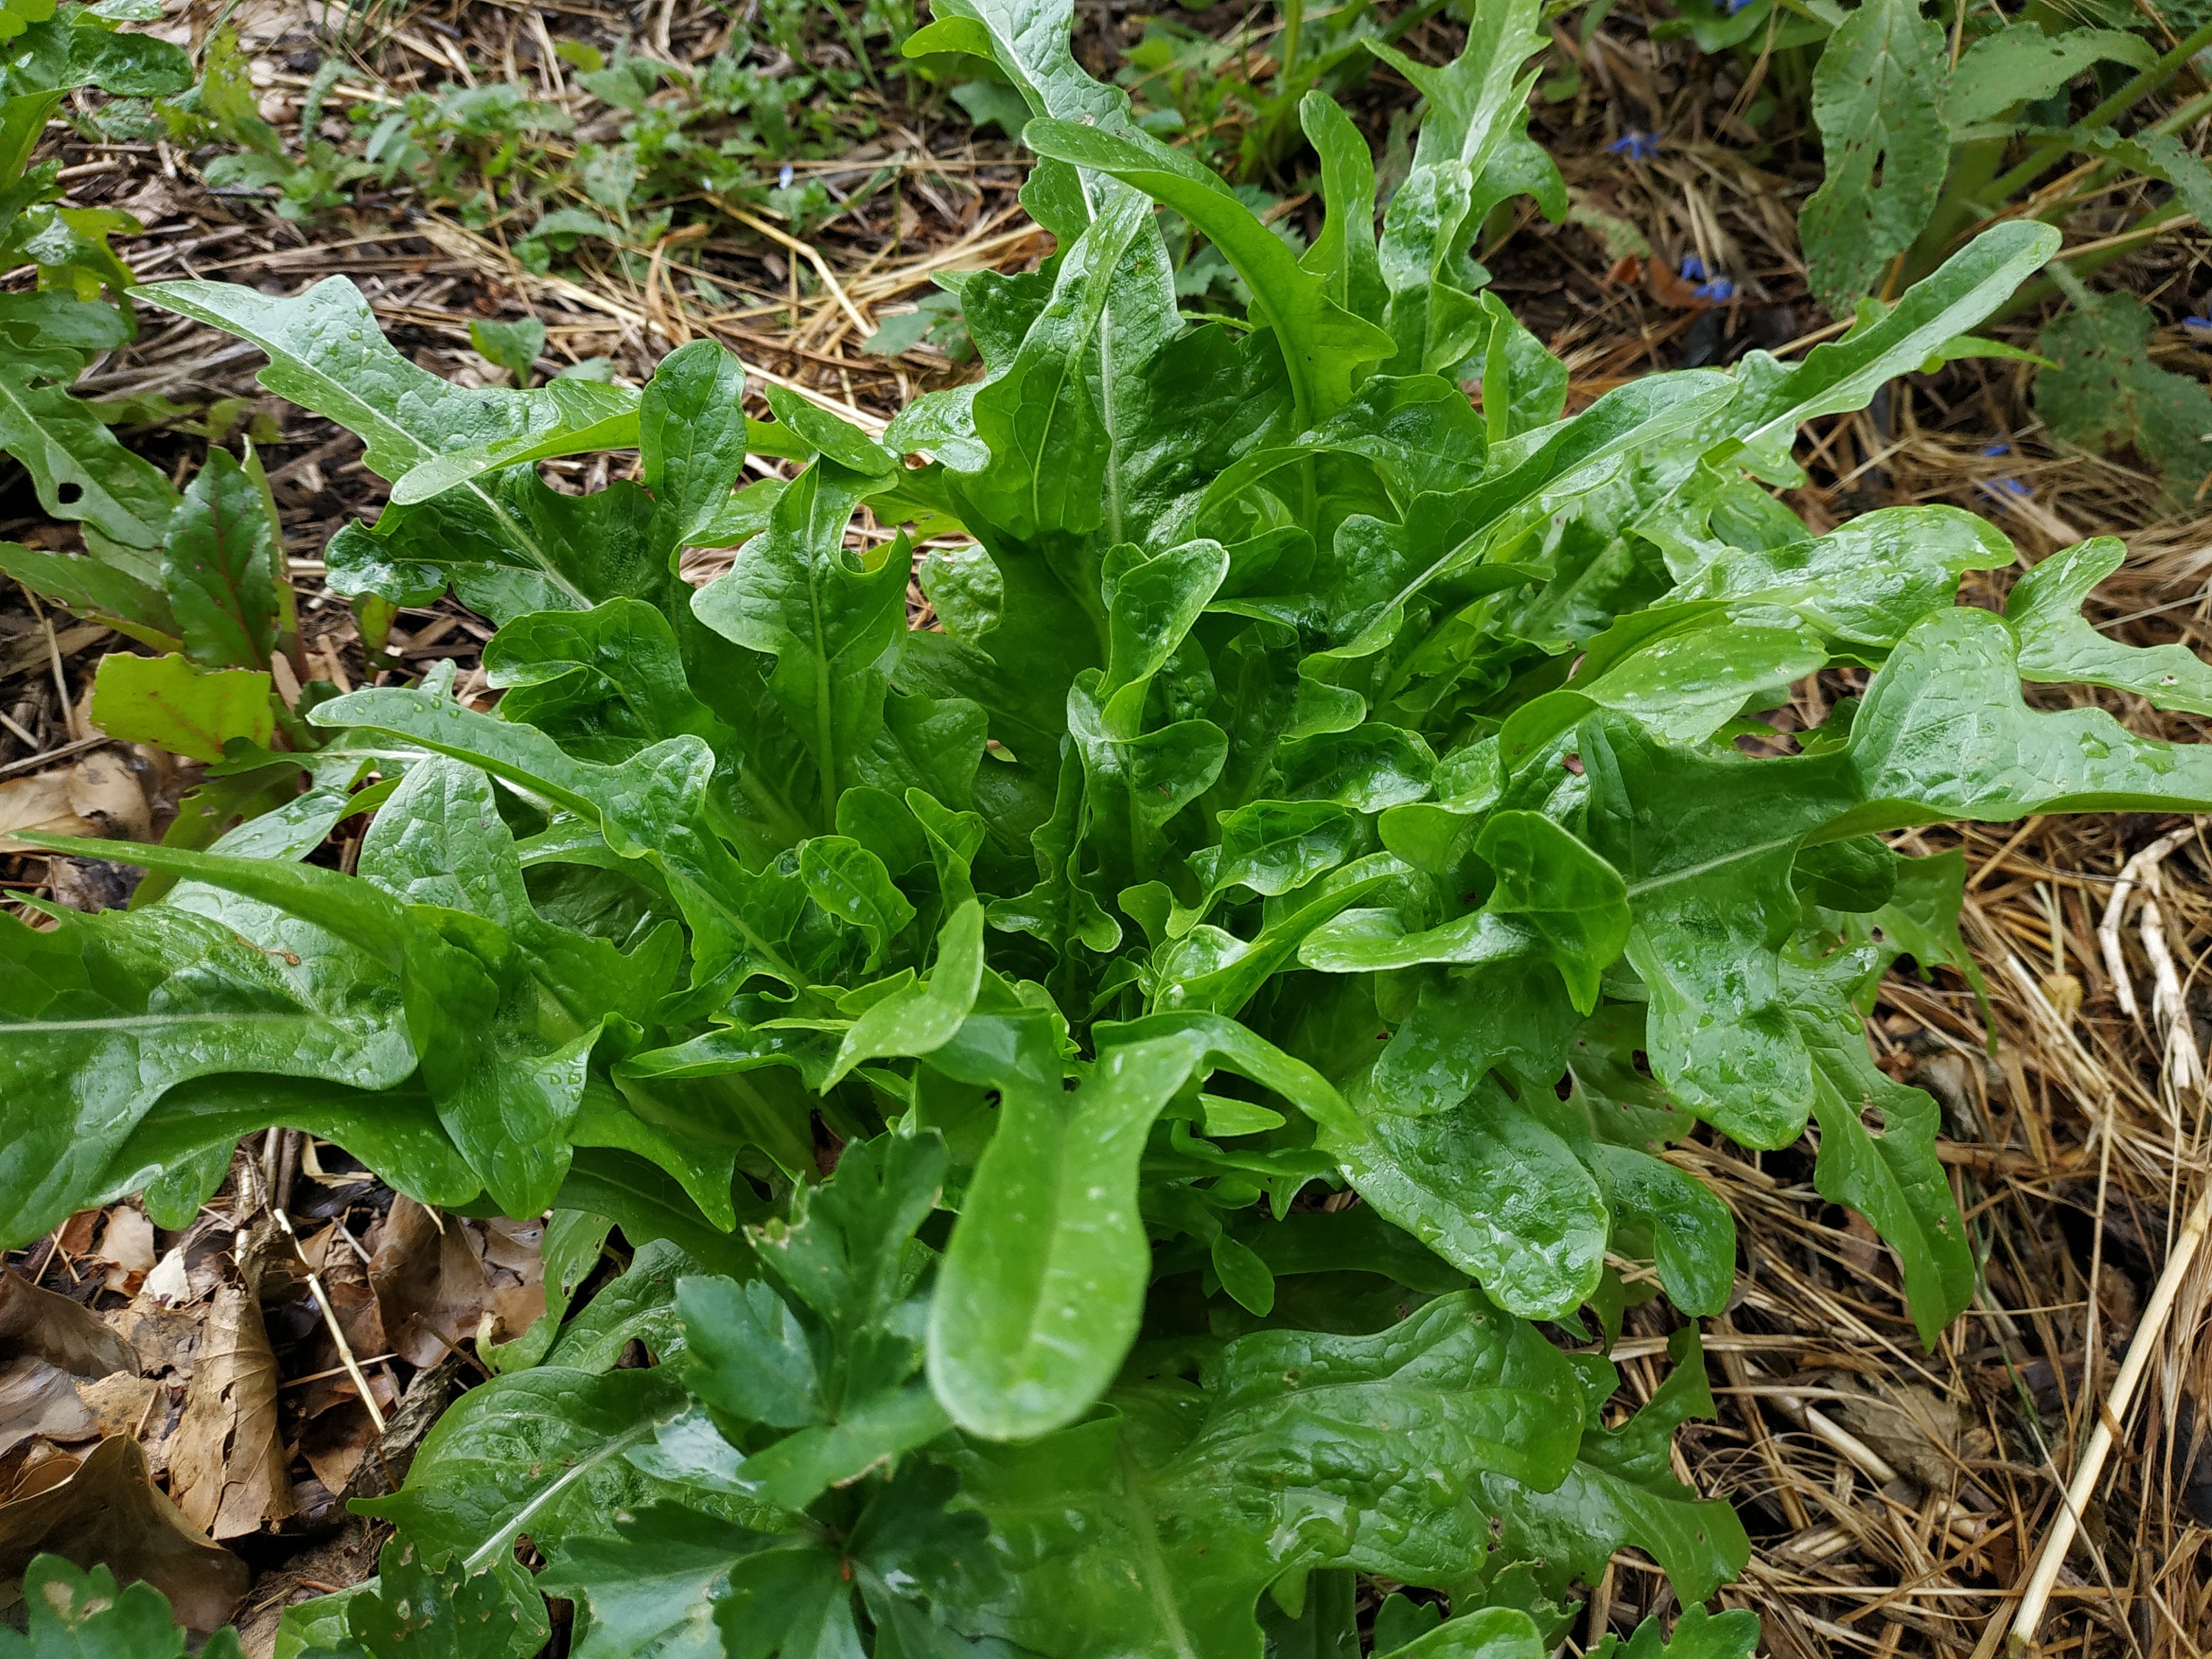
[(59, 751), (351, 1365), (335, 1370), (2169, 1012), (54, 656), (1955, 1517), (2148, 1333)]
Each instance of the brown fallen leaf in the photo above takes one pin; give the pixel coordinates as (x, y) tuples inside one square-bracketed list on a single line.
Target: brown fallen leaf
[(168, 1284), (164, 1339), (106, 1510), (39, 1398), (514, 1266), (33, 1466), (353, 1299), (336, 1440), (55, 1329), (74, 1237), (429, 1281), (96, 794), (126, 1245), (226, 1464), (442, 1278), (120, 1404)]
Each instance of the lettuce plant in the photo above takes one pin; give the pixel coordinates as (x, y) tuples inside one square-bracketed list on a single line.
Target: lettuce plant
[(1244, 965)]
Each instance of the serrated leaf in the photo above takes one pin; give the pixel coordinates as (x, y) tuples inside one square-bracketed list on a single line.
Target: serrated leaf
[(93, 1038), (327, 353), (653, 1587), (443, 1610), (1622, 1488), (1840, 375), (1890, 1175), (2160, 155), (924, 1017), (828, 618), (2106, 394), (1696, 1634), (1321, 341)]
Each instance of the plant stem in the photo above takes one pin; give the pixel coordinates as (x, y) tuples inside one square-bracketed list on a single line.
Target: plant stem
[(2046, 156), (2034, 294), (1965, 192)]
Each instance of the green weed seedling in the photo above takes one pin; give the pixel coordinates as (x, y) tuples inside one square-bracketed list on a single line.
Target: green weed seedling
[(223, 106), (197, 576), (497, 155), (1318, 787)]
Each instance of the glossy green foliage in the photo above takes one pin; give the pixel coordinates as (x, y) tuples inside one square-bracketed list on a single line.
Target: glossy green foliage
[(1322, 788)]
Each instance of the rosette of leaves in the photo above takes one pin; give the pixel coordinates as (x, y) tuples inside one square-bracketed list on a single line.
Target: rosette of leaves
[(1319, 785), (224, 105)]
